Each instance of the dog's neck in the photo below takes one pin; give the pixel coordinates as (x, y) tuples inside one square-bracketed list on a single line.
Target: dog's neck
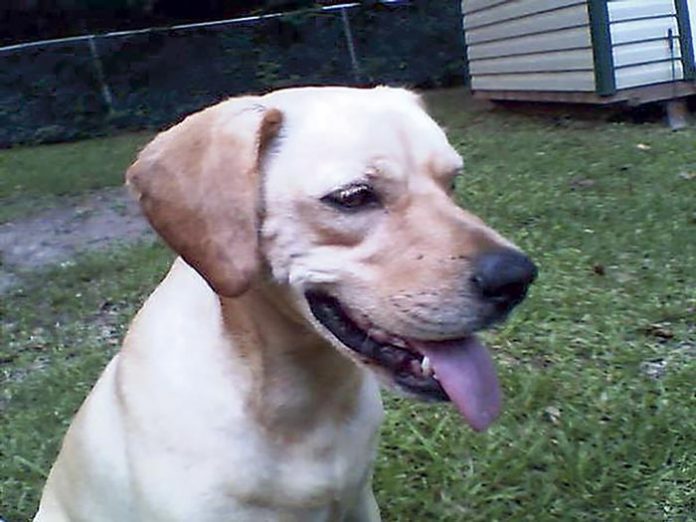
[(298, 378)]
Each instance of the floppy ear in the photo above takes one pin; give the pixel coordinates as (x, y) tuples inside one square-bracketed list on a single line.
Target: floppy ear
[(199, 186)]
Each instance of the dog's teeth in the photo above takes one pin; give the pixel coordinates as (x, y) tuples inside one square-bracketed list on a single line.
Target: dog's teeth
[(397, 342), (427, 367), (377, 334)]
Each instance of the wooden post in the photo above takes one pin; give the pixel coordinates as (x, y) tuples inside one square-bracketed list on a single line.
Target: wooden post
[(677, 113)]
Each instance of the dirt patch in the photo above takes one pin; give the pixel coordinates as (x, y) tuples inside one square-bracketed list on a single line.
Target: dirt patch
[(91, 222)]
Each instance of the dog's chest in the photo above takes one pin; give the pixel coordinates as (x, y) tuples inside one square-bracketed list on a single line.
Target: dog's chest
[(328, 466), (238, 469)]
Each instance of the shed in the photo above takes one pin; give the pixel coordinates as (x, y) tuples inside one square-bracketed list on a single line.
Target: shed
[(582, 51)]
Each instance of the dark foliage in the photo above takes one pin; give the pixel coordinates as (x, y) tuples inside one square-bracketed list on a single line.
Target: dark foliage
[(24, 21), (55, 92)]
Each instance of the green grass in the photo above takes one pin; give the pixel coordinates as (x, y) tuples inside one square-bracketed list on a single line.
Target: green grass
[(607, 211), (33, 178)]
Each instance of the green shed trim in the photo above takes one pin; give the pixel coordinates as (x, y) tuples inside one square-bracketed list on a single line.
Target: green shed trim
[(605, 80), (685, 39)]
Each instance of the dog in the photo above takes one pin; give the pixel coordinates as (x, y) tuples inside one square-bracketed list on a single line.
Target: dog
[(320, 254)]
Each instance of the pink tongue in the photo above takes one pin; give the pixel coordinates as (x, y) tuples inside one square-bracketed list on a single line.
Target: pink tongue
[(467, 373)]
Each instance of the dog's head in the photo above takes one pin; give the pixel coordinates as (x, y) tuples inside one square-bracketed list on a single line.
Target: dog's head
[(343, 196)]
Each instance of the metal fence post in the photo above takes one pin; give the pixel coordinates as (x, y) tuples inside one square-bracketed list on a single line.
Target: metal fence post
[(96, 60), (357, 74)]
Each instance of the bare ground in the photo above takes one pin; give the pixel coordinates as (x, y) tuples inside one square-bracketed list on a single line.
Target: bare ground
[(86, 223)]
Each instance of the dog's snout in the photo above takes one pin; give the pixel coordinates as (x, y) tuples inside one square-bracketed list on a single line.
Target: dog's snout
[(502, 277)]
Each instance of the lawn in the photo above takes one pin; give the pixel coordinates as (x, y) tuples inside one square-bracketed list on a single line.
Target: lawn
[(34, 178), (598, 366)]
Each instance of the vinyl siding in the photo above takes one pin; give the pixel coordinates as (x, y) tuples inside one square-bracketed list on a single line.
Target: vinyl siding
[(643, 52), (648, 74), (529, 45), (567, 81)]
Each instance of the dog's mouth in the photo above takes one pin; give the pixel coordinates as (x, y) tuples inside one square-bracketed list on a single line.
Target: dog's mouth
[(460, 370)]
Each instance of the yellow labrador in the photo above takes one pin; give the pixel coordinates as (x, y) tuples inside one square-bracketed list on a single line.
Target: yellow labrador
[(320, 253)]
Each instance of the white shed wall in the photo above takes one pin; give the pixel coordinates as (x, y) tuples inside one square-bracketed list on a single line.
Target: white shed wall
[(644, 53), (537, 45)]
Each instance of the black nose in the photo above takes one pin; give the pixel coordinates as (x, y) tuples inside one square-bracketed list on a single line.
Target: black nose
[(502, 277)]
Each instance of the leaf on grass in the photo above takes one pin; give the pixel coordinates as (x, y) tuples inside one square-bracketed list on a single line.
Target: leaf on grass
[(654, 369), (553, 414), (579, 182), (658, 330)]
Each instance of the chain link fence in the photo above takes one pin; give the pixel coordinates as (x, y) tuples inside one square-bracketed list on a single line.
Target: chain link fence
[(90, 85)]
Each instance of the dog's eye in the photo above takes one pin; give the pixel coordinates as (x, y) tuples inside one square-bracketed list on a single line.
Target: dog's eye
[(352, 197)]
